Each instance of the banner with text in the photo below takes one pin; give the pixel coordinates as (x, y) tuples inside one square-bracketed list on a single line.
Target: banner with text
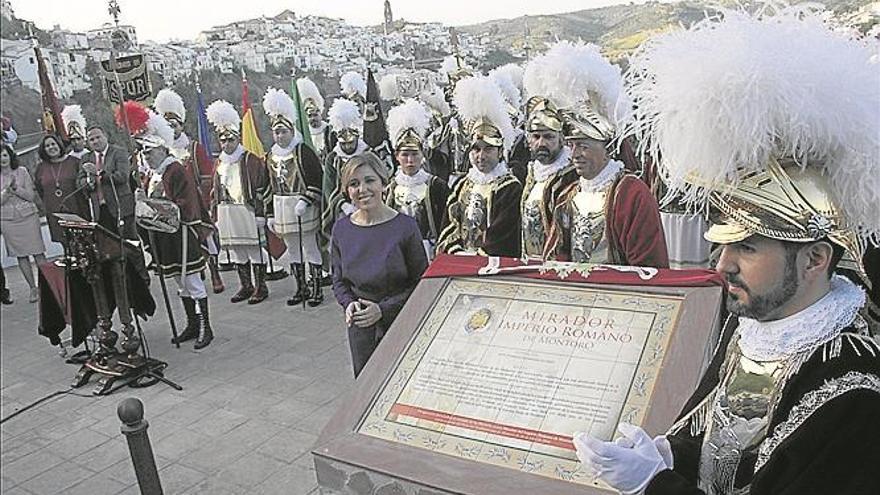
[(128, 80)]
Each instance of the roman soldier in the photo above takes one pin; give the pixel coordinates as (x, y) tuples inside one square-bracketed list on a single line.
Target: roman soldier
[(347, 123), (171, 209), (313, 103), (482, 213), (413, 191), (295, 177), (438, 145), (198, 164), (75, 124), (788, 155), (239, 202), (550, 170), (606, 215), (509, 78)]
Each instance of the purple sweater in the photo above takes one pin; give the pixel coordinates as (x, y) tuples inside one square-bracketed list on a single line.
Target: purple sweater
[(380, 263)]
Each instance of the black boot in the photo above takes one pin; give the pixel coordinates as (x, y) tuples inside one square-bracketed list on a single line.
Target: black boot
[(244, 277), (206, 334), (317, 296), (192, 322), (261, 291), (302, 288)]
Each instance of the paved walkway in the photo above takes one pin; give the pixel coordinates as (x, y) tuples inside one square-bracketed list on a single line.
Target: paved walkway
[(252, 406)]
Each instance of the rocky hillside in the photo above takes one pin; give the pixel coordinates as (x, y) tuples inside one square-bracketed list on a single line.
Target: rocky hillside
[(620, 28)]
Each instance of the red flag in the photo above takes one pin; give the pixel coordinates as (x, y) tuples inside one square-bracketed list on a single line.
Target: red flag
[(52, 122)]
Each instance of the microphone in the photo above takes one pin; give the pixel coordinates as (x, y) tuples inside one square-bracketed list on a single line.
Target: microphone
[(91, 171)]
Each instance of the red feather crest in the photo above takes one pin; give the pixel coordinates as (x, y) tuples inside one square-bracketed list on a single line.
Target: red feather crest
[(135, 114)]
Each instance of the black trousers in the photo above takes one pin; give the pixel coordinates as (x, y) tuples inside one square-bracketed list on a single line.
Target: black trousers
[(362, 342)]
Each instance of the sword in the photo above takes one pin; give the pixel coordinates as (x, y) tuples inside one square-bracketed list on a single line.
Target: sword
[(302, 260)]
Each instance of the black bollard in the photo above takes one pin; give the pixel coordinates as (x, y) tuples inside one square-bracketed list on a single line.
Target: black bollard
[(131, 413)]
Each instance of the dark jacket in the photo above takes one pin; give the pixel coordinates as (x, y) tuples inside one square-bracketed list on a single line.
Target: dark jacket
[(116, 168)]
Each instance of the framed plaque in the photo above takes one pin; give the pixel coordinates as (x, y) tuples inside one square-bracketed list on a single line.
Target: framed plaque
[(480, 383)]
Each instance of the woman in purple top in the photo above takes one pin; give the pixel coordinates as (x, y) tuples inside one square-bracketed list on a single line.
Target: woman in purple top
[(377, 258)]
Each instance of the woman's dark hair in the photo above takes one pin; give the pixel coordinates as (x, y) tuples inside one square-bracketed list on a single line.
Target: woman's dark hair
[(41, 151), (13, 158)]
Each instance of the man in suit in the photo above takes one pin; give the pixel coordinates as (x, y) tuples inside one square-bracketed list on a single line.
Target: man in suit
[(104, 176)]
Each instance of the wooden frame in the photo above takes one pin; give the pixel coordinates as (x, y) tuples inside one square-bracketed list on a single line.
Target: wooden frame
[(677, 377)]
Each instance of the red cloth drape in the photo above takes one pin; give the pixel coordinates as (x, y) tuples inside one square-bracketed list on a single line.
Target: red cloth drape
[(446, 265)]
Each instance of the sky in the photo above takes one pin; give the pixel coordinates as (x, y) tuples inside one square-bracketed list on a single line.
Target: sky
[(161, 20)]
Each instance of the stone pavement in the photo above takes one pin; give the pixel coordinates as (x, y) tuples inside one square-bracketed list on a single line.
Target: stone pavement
[(252, 405)]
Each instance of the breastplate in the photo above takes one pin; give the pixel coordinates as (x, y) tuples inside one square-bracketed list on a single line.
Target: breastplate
[(475, 220), (740, 418), (410, 200), (285, 172), (588, 243), (533, 221)]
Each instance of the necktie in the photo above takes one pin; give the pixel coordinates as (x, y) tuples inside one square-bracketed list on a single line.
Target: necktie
[(99, 165)]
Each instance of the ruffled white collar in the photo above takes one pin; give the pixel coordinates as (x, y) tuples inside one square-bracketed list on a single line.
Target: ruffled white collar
[(182, 142), (478, 177), (543, 172), (603, 178), (361, 147), (416, 179), (285, 152), (234, 157), (810, 328)]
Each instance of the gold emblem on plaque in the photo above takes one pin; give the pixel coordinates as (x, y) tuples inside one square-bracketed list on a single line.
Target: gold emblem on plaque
[(478, 320)]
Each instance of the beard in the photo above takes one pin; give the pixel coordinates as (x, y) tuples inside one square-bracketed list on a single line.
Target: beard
[(761, 305), (543, 155)]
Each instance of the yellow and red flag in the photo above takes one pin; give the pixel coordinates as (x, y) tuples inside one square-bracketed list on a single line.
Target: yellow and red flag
[(250, 139)]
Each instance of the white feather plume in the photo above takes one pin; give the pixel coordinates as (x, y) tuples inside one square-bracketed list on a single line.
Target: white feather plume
[(352, 82), (569, 72), (479, 96), (726, 96), (388, 89), (513, 72), (436, 100), (168, 101), (277, 102), (308, 90), (222, 114), (73, 113), (158, 127), (507, 85), (411, 114), (344, 114)]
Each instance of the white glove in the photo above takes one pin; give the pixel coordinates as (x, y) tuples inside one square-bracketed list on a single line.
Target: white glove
[(143, 210), (261, 222), (270, 224), (626, 465), (348, 208), (300, 208)]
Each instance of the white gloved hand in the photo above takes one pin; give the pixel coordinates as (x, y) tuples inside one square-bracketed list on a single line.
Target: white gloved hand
[(347, 208), (270, 224), (261, 222), (626, 465), (300, 208), (143, 210)]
